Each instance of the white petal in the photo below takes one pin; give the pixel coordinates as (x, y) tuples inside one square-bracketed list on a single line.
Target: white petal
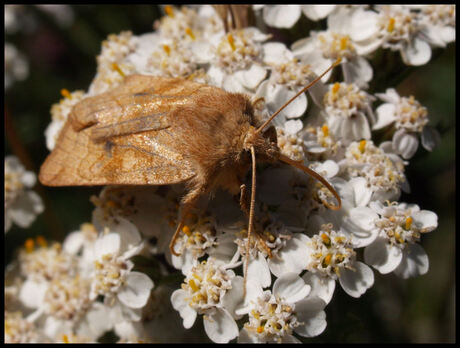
[(281, 16), (259, 272), (385, 115), (73, 242), (108, 244), (136, 290), (252, 77), (293, 126), (405, 144), (355, 282), (253, 291), (414, 263), (364, 217), (360, 127), (129, 235), (322, 287), (425, 220), (220, 326), (25, 208), (292, 258), (362, 193), (180, 303), (382, 256), (276, 52), (330, 167), (357, 71), (310, 312), (232, 83), (304, 47), (32, 293), (418, 52), (430, 138), (448, 34), (291, 287), (317, 12), (233, 298), (364, 25)]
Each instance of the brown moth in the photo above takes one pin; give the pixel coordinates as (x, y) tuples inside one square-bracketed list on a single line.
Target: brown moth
[(157, 131)]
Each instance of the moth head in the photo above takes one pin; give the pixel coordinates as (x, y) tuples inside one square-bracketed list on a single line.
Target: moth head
[(265, 144)]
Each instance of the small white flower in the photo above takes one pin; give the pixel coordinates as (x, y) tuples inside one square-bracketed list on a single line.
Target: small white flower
[(437, 23), (275, 316), (410, 120), (237, 60), (346, 110), (320, 144), (125, 290), (399, 227), (59, 114), (199, 234), (322, 49), (333, 258), (401, 30), (214, 292), (21, 205), (20, 330), (383, 171)]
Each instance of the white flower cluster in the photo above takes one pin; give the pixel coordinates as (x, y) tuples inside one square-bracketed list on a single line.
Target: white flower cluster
[(301, 248), (22, 205)]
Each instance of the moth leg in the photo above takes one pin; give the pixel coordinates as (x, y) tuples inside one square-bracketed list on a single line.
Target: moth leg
[(244, 199), (188, 203), (244, 205)]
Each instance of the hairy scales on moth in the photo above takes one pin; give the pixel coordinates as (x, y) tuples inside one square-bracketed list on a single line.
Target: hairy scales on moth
[(158, 131)]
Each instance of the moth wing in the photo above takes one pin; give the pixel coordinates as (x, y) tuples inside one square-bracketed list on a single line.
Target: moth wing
[(78, 160), (122, 137)]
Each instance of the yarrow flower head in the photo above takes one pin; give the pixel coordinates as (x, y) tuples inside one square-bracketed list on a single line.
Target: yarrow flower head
[(396, 229), (410, 120), (347, 109), (332, 258), (213, 291), (275, 316), (22, 205)]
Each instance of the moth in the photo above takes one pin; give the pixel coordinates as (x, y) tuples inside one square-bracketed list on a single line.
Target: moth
[(158, 131)]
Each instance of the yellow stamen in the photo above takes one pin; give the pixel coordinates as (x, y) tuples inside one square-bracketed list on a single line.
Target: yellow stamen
[(29, 244), (167, 49), (327, 260), (325, 130), (41, 241), (66, 94), (193, 285), (391, 25), (231, 41), (362, 145), (326, 239), (186, 230), (335, 87), (65, 339), (116, 67), (169, 11), (343, 43), (260, 329), (189, 32), (409, 221)]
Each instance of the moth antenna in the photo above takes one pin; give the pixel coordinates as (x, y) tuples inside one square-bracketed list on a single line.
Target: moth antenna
[(251, 216), (337, 62), (318, 177)]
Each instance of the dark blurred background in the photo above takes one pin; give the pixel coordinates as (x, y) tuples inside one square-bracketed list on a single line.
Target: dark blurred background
[(61, 50)]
